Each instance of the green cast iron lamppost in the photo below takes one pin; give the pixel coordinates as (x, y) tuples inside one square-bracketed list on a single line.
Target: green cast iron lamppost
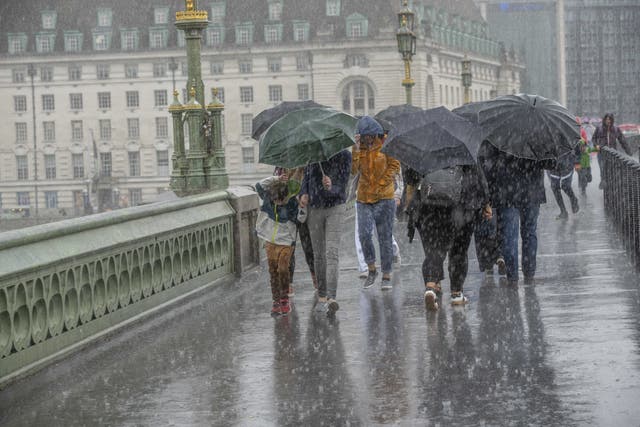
[(466, 79), (202, 168), (406, 46)]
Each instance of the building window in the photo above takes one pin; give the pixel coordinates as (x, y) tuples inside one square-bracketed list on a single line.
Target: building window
[(104, 100), (273, 33), (72, 41), (333, 7), (248, 159), (159, 70), (135, 196), (48, 20), (49, 130), (158, 38), (275, 93), (162, 161), (101, 41), (48, 103), (217, 67), (20, 103), (246, 94), (182, 41), (218, 12), (245, 66), (301, 31), (303, 92), (131, 71), (76, 130), (51, 199), (102, 71), (274, 65), (162, 127), (75, 72), (244, 34), (75, 101), (133, 128), (134, 163), (302, 62), (215, 35), (22, 197), (356, 60), (160, 97), (44, 43), (21, 133), (105, 129), (22, 168), (246, 120), (104, 17), (275, 10), (129, 39), (358, 98), (357, 26), (17, 43), (17, 75), (50, 166), (78, 165), (133, 100), (105, 164), (161, 15)]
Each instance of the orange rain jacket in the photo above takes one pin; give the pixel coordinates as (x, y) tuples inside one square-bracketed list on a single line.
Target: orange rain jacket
[(377, 173)]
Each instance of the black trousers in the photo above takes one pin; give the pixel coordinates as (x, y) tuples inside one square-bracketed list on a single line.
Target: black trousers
[(307, 248), (446, 231), (487, 243)]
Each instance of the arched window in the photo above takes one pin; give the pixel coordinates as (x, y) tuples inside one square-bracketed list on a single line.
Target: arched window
[(358, 98)]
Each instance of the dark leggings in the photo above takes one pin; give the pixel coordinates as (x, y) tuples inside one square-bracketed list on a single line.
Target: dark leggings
[(446, 231), (565, 185), (487, 247), (307, 248)]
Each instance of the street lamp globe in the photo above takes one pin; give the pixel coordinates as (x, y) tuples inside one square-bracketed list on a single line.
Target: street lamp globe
[(406, 17)]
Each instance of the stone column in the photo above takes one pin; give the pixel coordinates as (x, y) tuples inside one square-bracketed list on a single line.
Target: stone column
[(217, 178), (178, 160), (196, 181)]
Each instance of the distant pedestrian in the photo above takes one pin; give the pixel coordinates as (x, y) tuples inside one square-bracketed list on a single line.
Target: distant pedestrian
[(445, 208), (276, 225), (323, 194), (561, 177), (584, 167), (608, 135), (375, 204)]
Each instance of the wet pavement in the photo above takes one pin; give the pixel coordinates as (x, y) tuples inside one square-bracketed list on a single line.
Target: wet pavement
[(563, 351)]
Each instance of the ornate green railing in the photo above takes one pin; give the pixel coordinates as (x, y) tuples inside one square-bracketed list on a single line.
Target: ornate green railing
[(64, 284)]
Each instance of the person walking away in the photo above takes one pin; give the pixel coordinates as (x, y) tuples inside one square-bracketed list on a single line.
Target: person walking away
[(608, 135), (516, 188), (276, 225), (294, 184), (584, 167), (444, 208), (375, 202), (323, 194), (561, 177)]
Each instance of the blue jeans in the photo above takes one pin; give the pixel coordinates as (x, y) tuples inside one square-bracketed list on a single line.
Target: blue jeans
[(526, 219), (381, 214)]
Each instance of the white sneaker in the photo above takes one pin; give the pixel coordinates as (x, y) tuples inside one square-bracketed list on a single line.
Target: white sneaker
[(364, 274), (458, 299)]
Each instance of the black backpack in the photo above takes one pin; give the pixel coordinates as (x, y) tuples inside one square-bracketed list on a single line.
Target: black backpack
[(442, 187)]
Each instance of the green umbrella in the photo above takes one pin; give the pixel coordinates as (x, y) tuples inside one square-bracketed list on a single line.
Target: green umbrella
[(307, 136)]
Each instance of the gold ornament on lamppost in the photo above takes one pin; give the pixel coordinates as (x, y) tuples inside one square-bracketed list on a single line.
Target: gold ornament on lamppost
[(406, 46), (466, 79)]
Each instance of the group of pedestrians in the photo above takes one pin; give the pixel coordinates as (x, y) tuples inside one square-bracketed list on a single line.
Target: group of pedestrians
[(498, 199)]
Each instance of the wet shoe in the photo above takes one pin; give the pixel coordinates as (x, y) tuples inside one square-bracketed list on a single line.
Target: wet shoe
[(370, 280), (502, 266), (386, 284), (363, 274), (575, 207), (431, 299), (321, 305), (285, 306), (275, 309), (331, 307), (563, 215), (458, 298)]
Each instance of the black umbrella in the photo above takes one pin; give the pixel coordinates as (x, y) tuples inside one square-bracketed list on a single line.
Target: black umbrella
[(434, 139), (525, 126), (266, 118), (394, 114)]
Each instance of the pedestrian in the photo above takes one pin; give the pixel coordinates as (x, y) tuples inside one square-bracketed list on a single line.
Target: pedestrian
[(608, 135), (375, 201), (516, 188), (294, 184), (445, 207), (561, 177), (276, 225), (323, 194), (584, 167)]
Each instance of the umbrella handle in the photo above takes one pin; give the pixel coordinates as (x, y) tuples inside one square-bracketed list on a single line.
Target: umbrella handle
[(321, 170)]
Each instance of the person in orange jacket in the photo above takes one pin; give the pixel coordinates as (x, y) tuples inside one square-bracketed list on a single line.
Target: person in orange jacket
[(375, 202)]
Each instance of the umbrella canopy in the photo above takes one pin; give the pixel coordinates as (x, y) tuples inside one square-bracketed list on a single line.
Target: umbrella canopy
[(525, 126), (394, 114), (434, 139), (307, 136), (266, 118)]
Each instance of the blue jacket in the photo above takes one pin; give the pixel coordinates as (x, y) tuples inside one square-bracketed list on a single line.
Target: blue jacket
[(338, 168), (276, 223)]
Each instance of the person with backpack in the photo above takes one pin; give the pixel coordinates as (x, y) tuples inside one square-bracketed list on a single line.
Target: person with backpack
[(375, 201), (444, 207), (561, 177)]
